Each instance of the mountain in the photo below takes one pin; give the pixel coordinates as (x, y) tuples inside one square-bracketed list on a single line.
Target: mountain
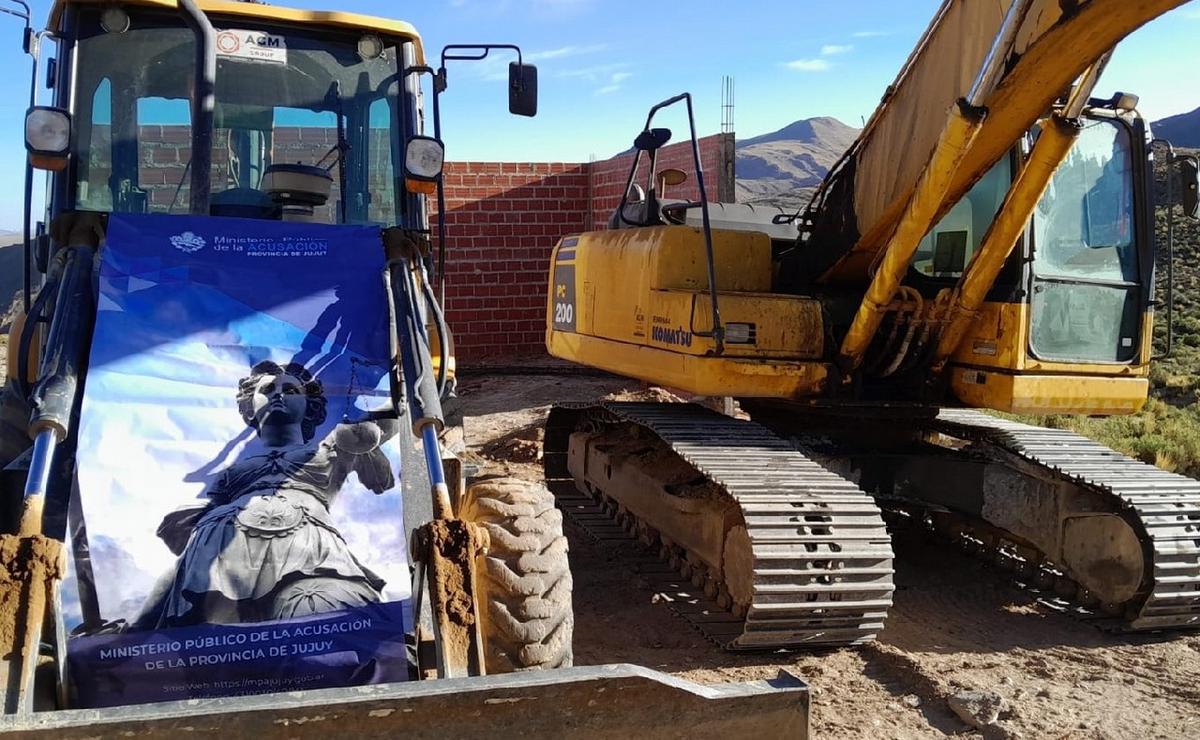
[(1182, 130), (784, 167)]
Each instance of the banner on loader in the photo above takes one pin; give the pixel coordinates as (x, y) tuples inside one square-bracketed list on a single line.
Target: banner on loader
[(238, 526)]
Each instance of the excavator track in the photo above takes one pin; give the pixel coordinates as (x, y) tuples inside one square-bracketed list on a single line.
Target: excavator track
[(821, 556), (1163, 505)]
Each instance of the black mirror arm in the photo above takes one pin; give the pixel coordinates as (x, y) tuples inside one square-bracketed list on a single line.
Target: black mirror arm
[(666, 104), (478, 53), (451, 53), (32, 46), (25, 13)]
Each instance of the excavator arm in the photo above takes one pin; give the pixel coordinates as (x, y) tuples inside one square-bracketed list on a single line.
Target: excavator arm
[(939, 130)]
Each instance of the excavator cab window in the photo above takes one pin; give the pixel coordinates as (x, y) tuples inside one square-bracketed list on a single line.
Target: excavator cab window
[(1087, 282), (948, 247)]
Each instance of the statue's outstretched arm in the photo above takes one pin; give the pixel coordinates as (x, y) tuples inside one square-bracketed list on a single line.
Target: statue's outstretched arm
[(364, 436), (362, 441)]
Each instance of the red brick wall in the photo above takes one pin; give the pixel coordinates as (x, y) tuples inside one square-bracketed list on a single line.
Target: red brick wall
[(502, 222)]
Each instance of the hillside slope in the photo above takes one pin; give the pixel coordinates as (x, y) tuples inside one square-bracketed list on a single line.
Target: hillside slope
[(785, 166), (1182, 130)]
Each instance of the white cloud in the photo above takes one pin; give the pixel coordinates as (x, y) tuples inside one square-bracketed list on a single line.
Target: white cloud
[(829, 50), (614, 83), (808, 65), (564, 52), (495, 65), (870, 34), (594, 73)]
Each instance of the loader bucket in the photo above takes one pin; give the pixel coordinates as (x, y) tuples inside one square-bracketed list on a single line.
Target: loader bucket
[(613, 701), (29, 567)]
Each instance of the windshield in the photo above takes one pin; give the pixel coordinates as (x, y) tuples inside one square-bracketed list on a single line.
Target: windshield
[(1084, 222), (949, 246), (306, 128)]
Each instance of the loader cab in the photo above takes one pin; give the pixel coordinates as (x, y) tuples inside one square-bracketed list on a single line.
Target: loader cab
[(311, 121)]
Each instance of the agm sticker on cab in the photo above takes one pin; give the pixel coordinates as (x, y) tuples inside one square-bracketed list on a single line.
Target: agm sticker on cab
[(253, 45)]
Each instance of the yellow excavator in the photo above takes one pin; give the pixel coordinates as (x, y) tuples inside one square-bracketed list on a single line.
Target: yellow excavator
[(986, 243), (219, 137)]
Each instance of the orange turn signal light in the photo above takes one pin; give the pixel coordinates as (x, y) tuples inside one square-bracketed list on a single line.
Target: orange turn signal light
[(426, 187)]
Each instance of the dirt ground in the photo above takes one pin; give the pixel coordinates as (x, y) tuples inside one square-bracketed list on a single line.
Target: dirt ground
[(956, 626)]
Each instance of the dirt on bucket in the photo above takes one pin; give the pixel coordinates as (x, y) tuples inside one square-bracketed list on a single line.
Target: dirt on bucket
[(28, 568)]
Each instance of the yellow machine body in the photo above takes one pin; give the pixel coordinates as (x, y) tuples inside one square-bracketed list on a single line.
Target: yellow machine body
[(839, 317), (995, 369), (636, 302)]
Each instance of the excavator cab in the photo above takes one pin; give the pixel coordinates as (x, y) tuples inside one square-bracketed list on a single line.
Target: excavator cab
[(1075, 297), (230, 326)]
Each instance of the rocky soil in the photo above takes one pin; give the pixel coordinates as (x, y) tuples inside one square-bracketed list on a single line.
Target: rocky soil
[(965, 653)]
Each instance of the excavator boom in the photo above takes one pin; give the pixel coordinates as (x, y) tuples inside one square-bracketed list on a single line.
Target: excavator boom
[(862, 201)]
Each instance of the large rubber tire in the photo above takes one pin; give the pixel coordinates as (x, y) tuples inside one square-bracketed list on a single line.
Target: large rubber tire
[(524, 580)]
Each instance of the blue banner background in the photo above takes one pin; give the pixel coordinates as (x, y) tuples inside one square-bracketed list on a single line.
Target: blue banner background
[(187, 306)]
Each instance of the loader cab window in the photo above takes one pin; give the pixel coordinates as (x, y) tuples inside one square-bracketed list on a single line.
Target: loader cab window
[(95, 172), (1087, 284), (310, 100), (948, 247)]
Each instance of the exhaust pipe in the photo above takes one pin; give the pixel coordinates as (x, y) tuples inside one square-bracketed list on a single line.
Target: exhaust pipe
[(204, 99)]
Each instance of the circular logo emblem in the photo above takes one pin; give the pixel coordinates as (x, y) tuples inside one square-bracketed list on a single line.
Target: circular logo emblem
[(228, 42), (188, 242)]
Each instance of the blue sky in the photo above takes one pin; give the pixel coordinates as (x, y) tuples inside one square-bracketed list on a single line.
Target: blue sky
[(604, 62)]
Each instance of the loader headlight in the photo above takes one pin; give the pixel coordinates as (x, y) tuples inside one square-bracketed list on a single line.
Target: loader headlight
[(370, 47), (114, 20), (423, 160), (424, 157), (48, 136)]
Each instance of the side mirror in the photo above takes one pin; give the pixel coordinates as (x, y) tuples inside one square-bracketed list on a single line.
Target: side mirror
[(424, 157), (652, 139), (522, 89), (1189, 186), (48, 137)]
